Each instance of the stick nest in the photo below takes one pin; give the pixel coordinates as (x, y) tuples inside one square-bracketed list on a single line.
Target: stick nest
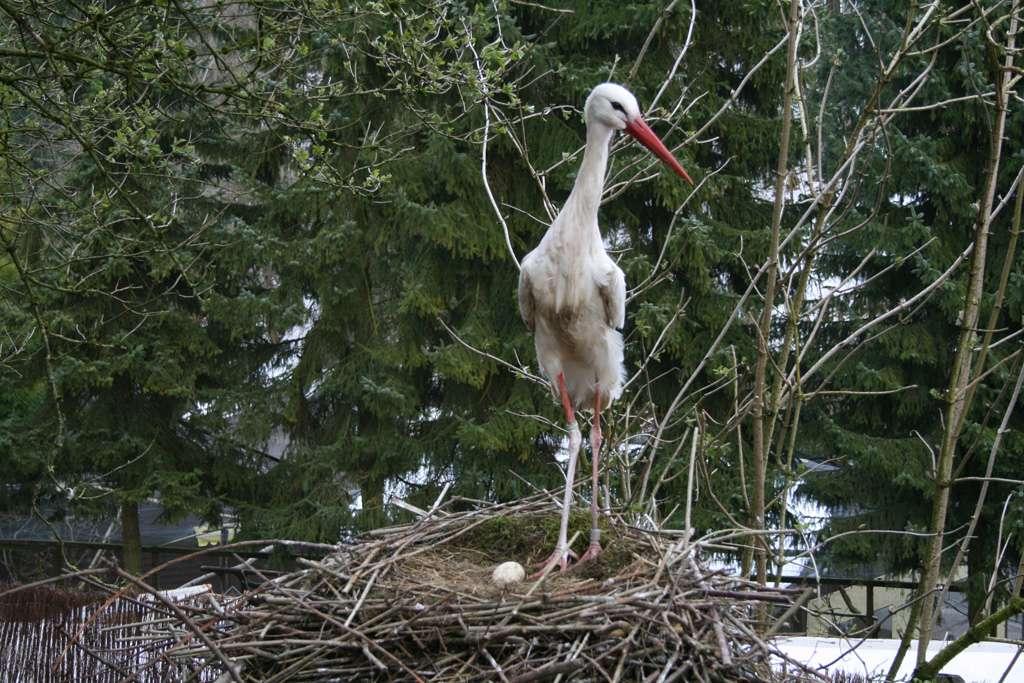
[(416, 602)]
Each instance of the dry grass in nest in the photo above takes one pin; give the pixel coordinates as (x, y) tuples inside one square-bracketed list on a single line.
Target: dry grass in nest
[(415, 603), (463, 565)]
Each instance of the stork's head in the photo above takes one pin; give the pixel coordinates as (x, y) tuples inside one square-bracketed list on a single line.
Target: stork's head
[(612, 105), (615, 107)]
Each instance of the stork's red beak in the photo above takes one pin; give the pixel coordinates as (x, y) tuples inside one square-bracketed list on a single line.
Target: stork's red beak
[(642, 132)]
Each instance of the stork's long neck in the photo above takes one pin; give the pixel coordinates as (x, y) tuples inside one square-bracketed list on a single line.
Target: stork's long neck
[(581, 206)]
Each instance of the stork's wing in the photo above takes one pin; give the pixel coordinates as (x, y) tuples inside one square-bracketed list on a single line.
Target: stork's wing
[(613, 295), (526, 301)]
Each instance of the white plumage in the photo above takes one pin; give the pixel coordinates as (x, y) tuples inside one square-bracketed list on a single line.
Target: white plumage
[(572, 295)]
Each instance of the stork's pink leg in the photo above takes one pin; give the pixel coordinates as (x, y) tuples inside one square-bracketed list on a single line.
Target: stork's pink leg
[(595, 455), (562, 552)]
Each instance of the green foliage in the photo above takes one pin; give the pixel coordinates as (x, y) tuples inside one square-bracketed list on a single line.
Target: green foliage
[(526, 536), (886, 431)]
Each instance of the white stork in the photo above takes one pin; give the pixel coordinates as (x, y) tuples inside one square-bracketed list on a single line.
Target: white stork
[(572, 296)]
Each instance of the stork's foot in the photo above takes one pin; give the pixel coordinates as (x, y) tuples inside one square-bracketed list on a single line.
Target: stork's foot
[(592, 552), (560, 558)]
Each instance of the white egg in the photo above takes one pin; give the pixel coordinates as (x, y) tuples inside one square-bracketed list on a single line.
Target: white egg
[(508, 573)]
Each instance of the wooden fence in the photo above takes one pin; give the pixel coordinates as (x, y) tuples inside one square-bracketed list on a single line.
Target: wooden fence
[(60, 636)]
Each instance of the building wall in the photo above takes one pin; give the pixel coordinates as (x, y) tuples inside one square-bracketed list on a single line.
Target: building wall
[(830, 614)]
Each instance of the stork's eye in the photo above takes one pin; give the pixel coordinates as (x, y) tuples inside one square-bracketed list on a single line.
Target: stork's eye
[(618, 107)]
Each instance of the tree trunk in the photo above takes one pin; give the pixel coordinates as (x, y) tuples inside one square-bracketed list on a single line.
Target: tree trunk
[(759, 436), (372, 484), (928, 671), (131, 537), (977, 575), (372, 491), (958, 400)]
